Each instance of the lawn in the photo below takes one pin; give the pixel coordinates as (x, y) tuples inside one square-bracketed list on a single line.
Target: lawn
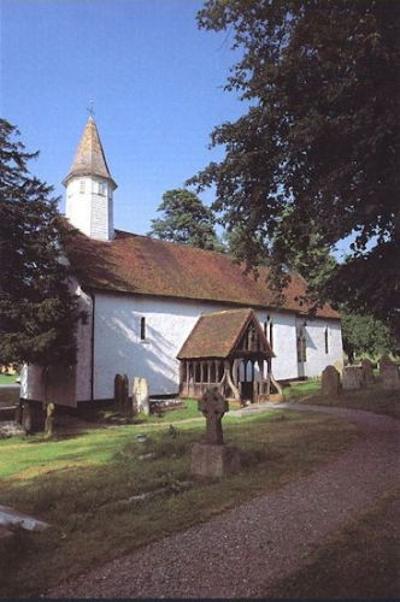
[(373, 398), (82, 484), (360, 561), (8, 379)]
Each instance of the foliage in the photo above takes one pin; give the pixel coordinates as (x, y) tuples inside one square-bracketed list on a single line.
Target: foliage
[(316, 154), (363, 334), (186, 220), (38, 313)]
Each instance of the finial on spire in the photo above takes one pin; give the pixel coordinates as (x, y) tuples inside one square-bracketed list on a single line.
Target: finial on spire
[(90, 108)]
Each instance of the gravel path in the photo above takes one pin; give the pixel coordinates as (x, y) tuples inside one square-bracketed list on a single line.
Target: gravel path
[(244, 551)]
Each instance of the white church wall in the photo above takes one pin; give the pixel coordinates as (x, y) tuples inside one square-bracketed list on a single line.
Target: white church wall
[(118, 347), (317, 358), (284, 365)]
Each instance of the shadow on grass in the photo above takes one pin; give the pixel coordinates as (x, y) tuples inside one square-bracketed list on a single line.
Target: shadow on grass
[(87, 504)]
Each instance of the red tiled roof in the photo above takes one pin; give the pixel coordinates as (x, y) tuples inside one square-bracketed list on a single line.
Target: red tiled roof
[(215, 335), (146, 266)]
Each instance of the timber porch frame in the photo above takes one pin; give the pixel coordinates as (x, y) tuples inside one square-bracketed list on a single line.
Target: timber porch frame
[(227, 350)]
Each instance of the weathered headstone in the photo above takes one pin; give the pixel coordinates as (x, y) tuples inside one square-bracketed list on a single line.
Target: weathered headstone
[(125, 405), (390, 375), (330, 382), (352, 377), (367, 371), (383, 362), (118, 387), (212, 458), (140, 395)]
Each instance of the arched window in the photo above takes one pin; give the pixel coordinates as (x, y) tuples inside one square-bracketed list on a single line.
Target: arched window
[(326, 337), (271, 334), (142, 329)]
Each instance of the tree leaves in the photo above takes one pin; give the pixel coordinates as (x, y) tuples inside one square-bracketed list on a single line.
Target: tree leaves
[(38, 312), (186, 220), (320, 142)]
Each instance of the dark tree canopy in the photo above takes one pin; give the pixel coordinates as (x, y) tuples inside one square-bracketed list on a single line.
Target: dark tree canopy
[(38, 313), (317, 153), (186, 220), (364, 335)]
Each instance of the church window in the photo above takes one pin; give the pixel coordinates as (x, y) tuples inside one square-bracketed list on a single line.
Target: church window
[(102, 188), (142, 329), (271, 334), (326, 337), (82, 186)]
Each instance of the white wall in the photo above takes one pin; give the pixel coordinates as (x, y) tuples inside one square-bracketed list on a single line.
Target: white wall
[(87, 209), (317, 358), (118, 347)]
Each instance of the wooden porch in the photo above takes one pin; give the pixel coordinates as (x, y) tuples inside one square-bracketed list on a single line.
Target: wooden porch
[(228, 350)]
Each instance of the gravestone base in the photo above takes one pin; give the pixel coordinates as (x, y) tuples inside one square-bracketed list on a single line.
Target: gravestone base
[(214, 461)]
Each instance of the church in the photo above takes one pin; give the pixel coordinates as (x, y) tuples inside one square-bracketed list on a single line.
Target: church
[(181, 317)]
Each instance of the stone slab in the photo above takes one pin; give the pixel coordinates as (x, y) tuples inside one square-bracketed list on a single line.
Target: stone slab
[(390, 375), (9, 516), (214, 461), (352, 378), (330, 382)]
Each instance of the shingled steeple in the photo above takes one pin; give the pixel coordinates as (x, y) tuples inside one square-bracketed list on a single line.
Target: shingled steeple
[(90, 159), (89, 187)]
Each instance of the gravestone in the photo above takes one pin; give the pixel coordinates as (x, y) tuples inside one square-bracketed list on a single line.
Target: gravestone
[(352, 378), (330, 382), (140, 395), (383, 362), (118, 387), (211, 458), (368, 373), (125, 405), (390, 375)]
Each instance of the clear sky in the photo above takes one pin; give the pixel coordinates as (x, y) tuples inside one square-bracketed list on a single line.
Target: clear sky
[(155, 79)]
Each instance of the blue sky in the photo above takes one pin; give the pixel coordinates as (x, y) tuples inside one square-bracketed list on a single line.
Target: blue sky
[(155, 79)]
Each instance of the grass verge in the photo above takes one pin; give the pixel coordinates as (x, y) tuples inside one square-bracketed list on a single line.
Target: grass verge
[(372, 399), (360, 561), (81, 486)]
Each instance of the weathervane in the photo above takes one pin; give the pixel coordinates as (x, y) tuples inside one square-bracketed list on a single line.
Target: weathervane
[(90, 108)]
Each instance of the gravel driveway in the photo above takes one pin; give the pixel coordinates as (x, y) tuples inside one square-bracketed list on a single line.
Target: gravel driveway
[(244, 551)]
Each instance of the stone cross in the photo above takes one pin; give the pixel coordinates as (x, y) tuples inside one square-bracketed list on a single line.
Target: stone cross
[(213, 406)]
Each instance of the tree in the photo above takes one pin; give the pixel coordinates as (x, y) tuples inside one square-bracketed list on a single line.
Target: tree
[(38, 312), (186, 220), (317, 151), (363, 334)]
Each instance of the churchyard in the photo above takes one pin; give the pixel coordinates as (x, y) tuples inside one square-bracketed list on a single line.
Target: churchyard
[(107, 491)]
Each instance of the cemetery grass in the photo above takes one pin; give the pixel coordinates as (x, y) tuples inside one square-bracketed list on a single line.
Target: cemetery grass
[(8, 379), (359, 561), (373, 398), (81, 486)]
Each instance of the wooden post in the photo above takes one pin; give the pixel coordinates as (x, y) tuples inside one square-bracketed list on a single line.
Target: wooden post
[(230, 382)]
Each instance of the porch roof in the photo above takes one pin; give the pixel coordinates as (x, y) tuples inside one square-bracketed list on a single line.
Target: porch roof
[(217, 334)]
